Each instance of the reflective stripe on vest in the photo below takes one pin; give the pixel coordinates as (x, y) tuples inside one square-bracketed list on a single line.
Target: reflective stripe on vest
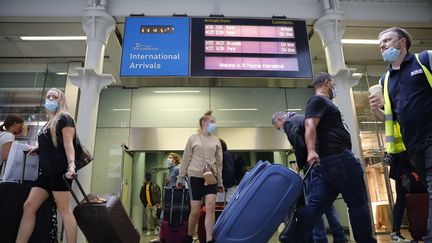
[(394, 143), (425, 70)]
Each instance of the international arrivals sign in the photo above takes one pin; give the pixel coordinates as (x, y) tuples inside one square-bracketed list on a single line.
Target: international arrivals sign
[(155, 47), (215, 47)]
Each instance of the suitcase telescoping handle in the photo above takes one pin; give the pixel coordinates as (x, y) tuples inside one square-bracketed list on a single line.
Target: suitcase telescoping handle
[(172, 204), (314, 163), (24, 165), (74, 178)]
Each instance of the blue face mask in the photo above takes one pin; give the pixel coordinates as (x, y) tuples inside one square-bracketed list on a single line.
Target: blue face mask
[(391, 54), (51, 105), (211, 127), (168, 162)]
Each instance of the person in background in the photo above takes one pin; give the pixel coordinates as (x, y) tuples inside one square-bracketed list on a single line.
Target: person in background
[(400, 165), (202, 149), (173, 162), (239, 168), (11, 127), (228, 175), (329, 144), (292, 124), (407, 103), (150, 196), (56, 157)]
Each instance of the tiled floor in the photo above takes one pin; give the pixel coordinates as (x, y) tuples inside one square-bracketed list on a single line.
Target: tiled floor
[(381, 237)]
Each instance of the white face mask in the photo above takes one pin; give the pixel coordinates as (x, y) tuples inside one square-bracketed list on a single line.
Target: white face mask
[(334, 92)]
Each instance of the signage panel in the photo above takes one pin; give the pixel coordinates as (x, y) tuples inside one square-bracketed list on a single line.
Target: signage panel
[(225, 47), (155, 47)]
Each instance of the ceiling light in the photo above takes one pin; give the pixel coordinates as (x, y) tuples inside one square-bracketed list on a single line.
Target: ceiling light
[(239, 109), (371, 122), (180, 109), (357, 75), (360, 41), (119, 109), (293, 109), (52, 38), (175, 91), (61, 73)]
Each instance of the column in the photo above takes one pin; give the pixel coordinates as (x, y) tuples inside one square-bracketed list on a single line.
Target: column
[(97, 25), (331, 27)]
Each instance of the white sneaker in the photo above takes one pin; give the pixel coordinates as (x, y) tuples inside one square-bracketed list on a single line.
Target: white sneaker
[(148, 232), (397, 237)]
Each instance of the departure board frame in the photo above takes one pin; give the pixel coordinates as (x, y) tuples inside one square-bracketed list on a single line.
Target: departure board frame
[(243, 47)]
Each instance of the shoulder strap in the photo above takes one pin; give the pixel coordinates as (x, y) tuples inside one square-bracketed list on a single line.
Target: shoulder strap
[(425, 70)]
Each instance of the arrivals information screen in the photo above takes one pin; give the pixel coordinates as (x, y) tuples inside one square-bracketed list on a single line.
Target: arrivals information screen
[(225, 47), (215, 47)]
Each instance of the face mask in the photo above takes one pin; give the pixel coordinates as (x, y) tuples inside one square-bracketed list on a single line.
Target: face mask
[(169, 162), (51, 105), (391, 54), (18, 131), (334, 92), (211, 127)]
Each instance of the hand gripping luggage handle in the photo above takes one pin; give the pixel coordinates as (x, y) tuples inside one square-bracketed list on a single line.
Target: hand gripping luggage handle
[(79, 186), (314, 163)]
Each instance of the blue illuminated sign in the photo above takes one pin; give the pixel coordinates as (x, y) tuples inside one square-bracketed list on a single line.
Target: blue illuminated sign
[(155, 47)]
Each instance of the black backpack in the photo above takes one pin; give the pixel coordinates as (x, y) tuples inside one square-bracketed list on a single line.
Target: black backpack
[(228, 170), (294, 129)]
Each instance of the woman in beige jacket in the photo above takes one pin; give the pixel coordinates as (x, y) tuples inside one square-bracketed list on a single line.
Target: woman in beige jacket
[(202, 149)]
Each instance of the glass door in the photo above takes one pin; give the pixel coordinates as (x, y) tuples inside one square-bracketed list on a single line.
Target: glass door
[(126, 178)]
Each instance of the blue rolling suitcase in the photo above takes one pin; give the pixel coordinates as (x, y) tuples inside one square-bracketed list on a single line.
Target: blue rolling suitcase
[(265, 196)]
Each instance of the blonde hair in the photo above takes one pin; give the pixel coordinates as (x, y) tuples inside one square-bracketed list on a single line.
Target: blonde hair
[(62, 109), (207, 115), (176, 158)]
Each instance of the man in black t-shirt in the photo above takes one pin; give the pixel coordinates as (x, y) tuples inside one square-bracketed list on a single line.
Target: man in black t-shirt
[(328, 142), (292, 124)]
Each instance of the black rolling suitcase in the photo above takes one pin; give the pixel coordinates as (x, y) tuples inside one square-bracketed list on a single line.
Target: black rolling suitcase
[(21, 171), (288, 235), (417, 207), (103, 218)]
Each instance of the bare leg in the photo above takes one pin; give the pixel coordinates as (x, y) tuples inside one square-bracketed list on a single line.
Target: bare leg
[(210, 201), (35, 199), (63, 202), (194, 216)]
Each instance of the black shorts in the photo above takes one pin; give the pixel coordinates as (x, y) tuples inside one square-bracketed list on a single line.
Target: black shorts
[(197, 189), (53, 182)]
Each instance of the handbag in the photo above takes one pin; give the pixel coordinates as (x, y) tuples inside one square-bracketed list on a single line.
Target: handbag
[(209, 175), (82, 156)]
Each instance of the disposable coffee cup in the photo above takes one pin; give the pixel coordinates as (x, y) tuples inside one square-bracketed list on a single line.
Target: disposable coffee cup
[(376, 90)]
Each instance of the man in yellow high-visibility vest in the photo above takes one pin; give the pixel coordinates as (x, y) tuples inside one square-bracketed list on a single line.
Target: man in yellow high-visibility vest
[(408, 104)]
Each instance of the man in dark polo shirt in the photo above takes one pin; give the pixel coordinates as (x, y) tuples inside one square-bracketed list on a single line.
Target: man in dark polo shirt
[(328, 142), (410, 95)]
